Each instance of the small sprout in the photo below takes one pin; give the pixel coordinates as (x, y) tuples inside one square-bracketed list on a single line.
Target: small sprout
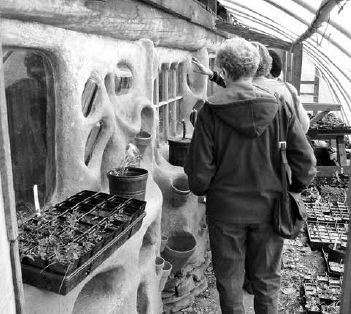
[(132, 157)]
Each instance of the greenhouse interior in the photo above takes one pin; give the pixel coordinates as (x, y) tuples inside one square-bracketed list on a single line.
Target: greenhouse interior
[(158, 147)]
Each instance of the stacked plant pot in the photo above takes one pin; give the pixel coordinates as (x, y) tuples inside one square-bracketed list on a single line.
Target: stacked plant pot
[(62, 246)]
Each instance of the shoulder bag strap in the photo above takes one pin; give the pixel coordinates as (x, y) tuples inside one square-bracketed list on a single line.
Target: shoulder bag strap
[(285, 168)]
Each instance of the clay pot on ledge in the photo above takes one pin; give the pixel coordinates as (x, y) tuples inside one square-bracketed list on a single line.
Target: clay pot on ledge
[(142, 140), (180, 191), (166, 270), (179, 248), (132, 184), (164, 240), (159, 263)]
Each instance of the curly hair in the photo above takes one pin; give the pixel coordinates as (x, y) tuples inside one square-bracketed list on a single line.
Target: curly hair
[(238, 57), (265, 60)]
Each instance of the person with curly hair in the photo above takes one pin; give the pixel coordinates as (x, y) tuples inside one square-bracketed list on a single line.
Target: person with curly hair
[(233, 159), (266, 76)]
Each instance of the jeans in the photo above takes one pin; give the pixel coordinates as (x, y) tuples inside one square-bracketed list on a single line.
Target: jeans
[(230, 244)]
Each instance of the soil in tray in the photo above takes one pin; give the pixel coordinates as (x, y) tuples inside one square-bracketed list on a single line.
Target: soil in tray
[(93, 201), (117, 226), (76, 198), (34, 223), (85, 193), (91, 219), (134, 211), (83, 226), (122, 218), (84, 208), (117, 199), (105, 209)]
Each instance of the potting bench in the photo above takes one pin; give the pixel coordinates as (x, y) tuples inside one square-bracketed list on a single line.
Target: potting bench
[(334, 135)]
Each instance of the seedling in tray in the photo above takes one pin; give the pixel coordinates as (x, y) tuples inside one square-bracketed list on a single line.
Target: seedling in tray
[(65, 258)]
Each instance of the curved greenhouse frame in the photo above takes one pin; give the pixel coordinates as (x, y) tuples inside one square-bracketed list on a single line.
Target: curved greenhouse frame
[(322, 27)]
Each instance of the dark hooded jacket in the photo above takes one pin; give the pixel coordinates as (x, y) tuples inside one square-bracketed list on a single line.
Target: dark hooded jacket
[(234, 157)]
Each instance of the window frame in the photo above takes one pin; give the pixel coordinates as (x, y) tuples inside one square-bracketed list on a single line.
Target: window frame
[(8, 195), (51, 119), (6, 171), (169, 85)]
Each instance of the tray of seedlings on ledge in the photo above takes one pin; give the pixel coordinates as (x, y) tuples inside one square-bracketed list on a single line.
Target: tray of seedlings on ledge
[(62, 246), (329, 124), (321, 234), (328, 212), (322, 294), (335, 264)]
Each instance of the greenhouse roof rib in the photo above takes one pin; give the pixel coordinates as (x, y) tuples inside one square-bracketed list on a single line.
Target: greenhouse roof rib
[(323, 26)]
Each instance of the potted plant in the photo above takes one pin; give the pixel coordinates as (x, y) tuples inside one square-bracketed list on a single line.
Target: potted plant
[(178, 148), (127, 180)]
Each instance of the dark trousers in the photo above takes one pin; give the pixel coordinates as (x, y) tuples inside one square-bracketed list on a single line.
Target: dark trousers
[(230, 244)]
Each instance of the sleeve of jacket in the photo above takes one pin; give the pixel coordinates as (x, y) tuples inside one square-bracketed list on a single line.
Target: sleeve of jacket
[(300, 110), (300, 156), (217, 79), (200, 163)]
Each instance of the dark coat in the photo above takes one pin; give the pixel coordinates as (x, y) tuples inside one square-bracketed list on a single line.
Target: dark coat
[(234, 158)]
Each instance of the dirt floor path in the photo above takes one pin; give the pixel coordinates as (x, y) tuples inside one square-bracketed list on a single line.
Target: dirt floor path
[(299, 262)]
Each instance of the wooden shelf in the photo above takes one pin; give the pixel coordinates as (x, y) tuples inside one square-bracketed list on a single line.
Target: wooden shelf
[(327, 133), (313, 106), (336, 135)]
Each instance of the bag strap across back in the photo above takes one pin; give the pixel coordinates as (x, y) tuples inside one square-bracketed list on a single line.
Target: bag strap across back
[(285, 168)]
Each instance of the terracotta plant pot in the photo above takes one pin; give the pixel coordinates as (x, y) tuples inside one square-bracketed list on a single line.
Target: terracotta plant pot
[(159, 263), (180, 246), (180, 191), (166, 270), (130, 185), (164, 240), (142, 140)]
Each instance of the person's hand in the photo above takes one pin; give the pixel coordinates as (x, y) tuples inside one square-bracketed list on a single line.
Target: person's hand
[(200, 68)]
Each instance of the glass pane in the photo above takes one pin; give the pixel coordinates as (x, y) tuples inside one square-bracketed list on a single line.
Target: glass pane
[(29, 88), (154, 94), (89, 96), (91, 141), (124, 79), (161, 122), (179, 125), (170, 84), (179, 79), (160, 86)]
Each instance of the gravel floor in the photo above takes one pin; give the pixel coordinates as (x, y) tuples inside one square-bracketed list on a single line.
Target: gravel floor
[(298, 261)]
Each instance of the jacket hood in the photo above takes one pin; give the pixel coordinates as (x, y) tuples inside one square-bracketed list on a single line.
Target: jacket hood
[(248, 111)]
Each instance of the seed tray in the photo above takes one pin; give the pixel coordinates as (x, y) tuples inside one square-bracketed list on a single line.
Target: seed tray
[(327, 212), (89, 224), (329, 131), (62, 284), (322, 291), (334, 268), (322, 234)]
